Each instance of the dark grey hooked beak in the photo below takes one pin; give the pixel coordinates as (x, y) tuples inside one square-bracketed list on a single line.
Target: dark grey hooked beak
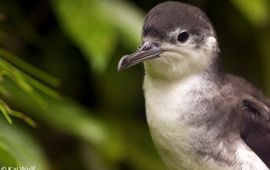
[(146, 52)]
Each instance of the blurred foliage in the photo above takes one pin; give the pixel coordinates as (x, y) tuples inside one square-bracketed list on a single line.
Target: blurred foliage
[(18, 148), (257, 12), (98, 120), (23, 81), (96, 25)]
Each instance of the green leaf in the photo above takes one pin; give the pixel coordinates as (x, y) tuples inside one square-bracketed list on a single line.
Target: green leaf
[(28, 68), (23, 80), (5, 110), (71, 118), (255, 11), (94, 26), (18, 148), (126, 18), (6, 158)]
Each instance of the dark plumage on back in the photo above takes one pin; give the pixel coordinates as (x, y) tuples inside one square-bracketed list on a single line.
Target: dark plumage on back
[(256, 134), (254, 117), (256, 126)]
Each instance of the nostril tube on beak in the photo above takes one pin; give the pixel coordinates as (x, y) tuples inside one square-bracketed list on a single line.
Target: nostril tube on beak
[(148, 45)]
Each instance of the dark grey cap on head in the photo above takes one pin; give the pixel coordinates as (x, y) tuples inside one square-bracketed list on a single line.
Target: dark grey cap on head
[(170, 15)]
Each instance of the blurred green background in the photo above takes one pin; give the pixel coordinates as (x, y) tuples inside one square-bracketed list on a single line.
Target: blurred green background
[(90, 116)]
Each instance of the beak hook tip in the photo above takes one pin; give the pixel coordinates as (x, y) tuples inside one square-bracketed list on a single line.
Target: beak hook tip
[(120, 65)]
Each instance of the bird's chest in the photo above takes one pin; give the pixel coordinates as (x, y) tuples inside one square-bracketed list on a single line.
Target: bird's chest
[(171, 109), (172, 106)]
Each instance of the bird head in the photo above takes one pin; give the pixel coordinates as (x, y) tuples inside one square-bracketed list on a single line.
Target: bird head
[(177, 40)]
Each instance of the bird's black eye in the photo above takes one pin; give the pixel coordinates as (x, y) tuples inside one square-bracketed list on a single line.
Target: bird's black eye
[(183, 36)]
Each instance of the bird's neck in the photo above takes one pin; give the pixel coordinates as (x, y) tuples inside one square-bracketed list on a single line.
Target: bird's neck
[(213, 73), (164, 70)]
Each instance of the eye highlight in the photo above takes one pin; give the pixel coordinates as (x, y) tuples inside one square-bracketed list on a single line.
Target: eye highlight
[(183, 36)]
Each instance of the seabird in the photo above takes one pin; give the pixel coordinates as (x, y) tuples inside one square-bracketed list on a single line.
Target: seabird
[(200, 118)]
